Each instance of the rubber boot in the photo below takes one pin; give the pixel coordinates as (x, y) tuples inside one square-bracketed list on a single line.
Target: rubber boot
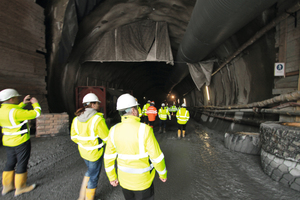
[(8, 181), (90, 194), (83, 188), (20, 183), (164, 130), (179, 133), (159, 131), (183, 133)]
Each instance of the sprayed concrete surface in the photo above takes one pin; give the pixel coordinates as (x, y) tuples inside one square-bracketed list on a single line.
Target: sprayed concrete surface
[(199, 167)]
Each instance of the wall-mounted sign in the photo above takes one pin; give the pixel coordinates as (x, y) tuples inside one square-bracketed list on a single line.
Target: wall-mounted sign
[(279, 69)]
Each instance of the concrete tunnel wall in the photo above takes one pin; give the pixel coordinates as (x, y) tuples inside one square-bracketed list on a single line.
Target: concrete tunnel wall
[(238, 83)]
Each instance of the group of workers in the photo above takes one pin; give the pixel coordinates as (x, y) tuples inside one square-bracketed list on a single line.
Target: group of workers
[(131, 143), (149, 113)]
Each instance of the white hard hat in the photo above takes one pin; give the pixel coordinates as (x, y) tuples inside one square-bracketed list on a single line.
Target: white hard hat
[(183, 105), (162, 104), (126, 101), (8, 93), (90, 97)]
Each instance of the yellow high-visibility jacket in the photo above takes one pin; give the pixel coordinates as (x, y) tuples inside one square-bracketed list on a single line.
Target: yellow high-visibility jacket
[(90, 136), (173, 108), (140, 111), (132, 143), (163, 113), (14, 122), (182, 116), (145, 107)]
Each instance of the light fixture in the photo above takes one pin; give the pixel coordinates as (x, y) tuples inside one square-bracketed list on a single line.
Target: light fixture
[(207, 92)]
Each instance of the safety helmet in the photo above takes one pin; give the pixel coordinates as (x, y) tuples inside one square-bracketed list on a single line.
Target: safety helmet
[(183, 105), (148, 101), (126, 101), (162, 104), (90, 97), (152, 102), (8, 93)]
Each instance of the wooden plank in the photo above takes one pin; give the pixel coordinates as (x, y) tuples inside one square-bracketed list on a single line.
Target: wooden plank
[(288, 82), (292, 66), (283, 91), (28, 64), (282, 41), (21, 37)]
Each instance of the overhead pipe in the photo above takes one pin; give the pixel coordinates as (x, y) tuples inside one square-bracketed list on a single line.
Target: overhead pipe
[(211, 23), (260, 33), (278, 99)]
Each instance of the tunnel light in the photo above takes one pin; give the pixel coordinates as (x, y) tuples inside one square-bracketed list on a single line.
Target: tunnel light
[(207, 92), (172, 96), (178, 101), (184, 101)]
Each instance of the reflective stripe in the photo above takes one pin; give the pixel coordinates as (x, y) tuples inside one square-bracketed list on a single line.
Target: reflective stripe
[(157, 160), (93, 125), (132, 157), (84, 138), (37, 112), (135, 171), (16, 133), (183, 118), (162, 172), (75, 126), (112, 134), (142, 153), (91, 148), (11, 117), (105, 139), (151, 111), (110, 156), (141, 139), (109, 169), (12, 121)]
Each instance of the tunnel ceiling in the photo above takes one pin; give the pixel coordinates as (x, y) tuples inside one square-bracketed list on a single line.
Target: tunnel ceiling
[(88, 22)]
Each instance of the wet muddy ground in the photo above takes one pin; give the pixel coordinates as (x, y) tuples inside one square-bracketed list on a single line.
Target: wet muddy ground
[(199, 167)]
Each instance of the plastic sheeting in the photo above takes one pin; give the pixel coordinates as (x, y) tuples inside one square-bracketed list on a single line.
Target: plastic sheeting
[(140, 41), (201, 72)]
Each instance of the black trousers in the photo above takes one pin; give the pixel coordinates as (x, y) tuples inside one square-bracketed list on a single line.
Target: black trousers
[(147, 194), (181, 127), (18, 156), (145, 119)]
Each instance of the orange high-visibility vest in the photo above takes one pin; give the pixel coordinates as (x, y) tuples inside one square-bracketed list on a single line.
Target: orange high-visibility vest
[(151, 112)]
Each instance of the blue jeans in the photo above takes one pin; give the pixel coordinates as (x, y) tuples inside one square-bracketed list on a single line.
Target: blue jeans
[(93, 172)]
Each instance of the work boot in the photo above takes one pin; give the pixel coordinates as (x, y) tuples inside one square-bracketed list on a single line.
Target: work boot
[(90, 194), (83, 188), (183, 133), (20, 183), (8, 181), (179, 133), (164, 130)]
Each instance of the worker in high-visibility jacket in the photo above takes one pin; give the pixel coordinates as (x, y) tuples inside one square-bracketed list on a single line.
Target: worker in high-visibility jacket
[(144, 110), (90, 132), (152, 113), (137, 151), (16, 139), (163, 113), (173, 109), (183, 117)]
